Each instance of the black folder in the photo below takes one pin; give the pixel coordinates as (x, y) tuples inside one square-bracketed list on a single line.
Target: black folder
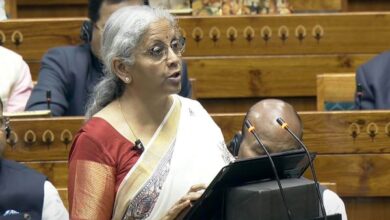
[(291, 164)]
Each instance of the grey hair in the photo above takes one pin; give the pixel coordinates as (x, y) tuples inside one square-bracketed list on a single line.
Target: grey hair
[(122, 34)]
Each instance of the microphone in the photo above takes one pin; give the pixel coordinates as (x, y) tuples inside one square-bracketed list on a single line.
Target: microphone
[(359, 95), (251, 129), (284, 125), (48, 98), (139, 146)]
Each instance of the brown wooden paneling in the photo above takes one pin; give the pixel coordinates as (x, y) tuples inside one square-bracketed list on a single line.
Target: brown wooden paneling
[(11, 8), (359, 168), (58, 11), (368, 5), (367, 208), (239, 105), (357, 175), (64, 196), (298, 6), (289, 74), (316, 5), (260, 76), (52, 2), (34, 66), (52, 8), (324, 132), (335, 88), (39, 35), (56, 171), (28, 130), (331, 132), (266, 76), (358, 208), (342, 33), (362, 175)]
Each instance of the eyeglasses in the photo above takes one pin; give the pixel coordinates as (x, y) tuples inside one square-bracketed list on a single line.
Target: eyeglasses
[(160, 50)]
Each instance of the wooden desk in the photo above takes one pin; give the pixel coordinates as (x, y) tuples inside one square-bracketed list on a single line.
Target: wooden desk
[(359, 166), (355, 164)]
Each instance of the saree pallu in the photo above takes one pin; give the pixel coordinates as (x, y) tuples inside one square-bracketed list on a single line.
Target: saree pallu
[(187, 149)]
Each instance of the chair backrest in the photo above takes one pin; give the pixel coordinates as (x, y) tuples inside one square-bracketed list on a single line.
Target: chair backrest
[(11, 8), (335, 88)]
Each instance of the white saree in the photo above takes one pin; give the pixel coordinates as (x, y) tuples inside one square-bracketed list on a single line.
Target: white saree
[(188, 148)]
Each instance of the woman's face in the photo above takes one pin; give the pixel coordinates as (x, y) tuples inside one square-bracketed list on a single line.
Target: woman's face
[(157, 66)]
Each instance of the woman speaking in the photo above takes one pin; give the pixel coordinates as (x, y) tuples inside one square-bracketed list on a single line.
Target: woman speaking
[(145, 152)]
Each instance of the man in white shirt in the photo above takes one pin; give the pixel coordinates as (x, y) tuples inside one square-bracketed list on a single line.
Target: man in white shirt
[(25, 193)]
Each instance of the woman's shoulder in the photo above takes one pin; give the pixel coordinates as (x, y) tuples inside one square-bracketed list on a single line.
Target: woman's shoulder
[(11, 64), (9, 55), (99, 135), (192, 104), (195, 109), (98, 128)]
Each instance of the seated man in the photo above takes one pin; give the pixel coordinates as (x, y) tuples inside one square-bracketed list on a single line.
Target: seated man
[(263, 116), (374, 79), (15, 81), (25, 193), (71, 72)]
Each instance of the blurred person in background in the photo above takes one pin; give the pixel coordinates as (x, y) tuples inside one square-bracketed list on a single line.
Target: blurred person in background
[(15, 81)]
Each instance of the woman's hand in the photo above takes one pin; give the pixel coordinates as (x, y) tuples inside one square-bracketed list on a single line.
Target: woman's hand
[(185, 202)]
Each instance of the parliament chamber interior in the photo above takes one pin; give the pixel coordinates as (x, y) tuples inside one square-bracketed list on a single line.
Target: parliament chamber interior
[(306, 56)]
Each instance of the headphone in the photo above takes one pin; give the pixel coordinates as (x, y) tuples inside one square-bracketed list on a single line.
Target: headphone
[(86, 31), (7, 129), (234, 145)]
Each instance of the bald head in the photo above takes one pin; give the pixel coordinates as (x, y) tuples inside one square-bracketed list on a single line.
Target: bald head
[(263, 117)]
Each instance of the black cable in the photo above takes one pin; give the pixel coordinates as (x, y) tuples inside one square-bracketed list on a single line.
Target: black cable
[(48, 98), (284, 125), (251, 129)]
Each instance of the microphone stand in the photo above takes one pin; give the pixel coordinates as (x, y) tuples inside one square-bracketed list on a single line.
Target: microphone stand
[(284, 125), (48, 98), (251, 129), (359, 94)]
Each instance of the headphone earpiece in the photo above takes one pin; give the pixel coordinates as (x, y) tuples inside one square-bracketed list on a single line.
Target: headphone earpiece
[(234, 145), (7, 130), (86, 31)]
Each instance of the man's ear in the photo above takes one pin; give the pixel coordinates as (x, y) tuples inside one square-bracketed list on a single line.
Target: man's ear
[(122, 70)]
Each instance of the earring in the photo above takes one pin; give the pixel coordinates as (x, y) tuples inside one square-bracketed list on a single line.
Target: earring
[(127, 79)]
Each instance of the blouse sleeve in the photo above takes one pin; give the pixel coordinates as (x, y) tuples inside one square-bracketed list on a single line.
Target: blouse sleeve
[(21, 89), (91, 187)]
